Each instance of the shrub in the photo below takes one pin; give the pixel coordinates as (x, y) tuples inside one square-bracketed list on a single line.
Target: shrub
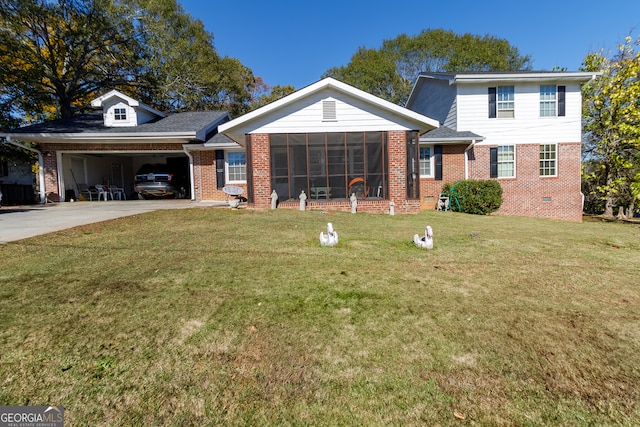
[(480, 197)]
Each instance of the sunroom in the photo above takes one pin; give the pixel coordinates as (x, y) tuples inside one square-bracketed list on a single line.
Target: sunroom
[(328, 141)]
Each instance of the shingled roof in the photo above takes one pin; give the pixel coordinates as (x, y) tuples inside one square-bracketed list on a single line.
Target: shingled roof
[(445, 134), (93, 123)]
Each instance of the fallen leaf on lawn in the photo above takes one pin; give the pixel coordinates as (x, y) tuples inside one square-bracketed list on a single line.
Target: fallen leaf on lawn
[(459, 416)]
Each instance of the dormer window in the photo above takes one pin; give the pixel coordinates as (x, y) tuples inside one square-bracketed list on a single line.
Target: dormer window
[(120, 114)]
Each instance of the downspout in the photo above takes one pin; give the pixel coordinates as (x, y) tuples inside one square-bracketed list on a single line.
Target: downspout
[(40, 165), (191, 169), (466, 158)]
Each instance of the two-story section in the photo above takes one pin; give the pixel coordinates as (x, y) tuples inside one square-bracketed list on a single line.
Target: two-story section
[(521, 128)]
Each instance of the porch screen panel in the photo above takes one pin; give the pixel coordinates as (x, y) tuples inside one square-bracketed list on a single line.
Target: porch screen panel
[(280, 166), (298, 164), (328, 161), (376, 164), (337, 164), (317, 160), (413, 165)]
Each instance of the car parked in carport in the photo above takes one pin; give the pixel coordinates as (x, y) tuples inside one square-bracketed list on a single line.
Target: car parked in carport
[(158, 180)]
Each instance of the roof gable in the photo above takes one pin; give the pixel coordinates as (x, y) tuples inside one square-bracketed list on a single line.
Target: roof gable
[(120, 110), (327, 105)]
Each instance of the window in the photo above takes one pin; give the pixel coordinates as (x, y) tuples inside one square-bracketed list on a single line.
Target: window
[(547, 101), (4, 169), (506, 101), (552, 101), (503, 163), (548, 159), (236, 166), (426, 160), (120, 114)]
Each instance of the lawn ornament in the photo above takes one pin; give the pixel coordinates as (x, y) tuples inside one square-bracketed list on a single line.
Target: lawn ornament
[(329, 239), (425, 242)]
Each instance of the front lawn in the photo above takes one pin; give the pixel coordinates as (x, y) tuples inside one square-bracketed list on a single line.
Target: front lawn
[(212, 316)]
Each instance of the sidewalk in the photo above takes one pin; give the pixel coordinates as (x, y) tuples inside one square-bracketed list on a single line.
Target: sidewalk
[(21, 222)]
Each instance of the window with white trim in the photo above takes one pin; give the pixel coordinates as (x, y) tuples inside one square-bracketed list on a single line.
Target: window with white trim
[(506, 161), (236, 166), (120, 114), (506, 102), (548, 101), (426, 161), (548, 159)]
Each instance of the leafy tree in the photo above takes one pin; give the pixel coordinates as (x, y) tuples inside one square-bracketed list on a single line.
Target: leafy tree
[(272, 94), (612, 127), (390, 71), (57, 55)]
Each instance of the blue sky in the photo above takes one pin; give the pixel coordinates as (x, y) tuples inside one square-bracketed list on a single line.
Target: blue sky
[(295, 42)]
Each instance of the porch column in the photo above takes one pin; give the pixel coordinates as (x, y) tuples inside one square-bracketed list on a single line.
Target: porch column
[(397, 167), (51, 179), (261, 170)]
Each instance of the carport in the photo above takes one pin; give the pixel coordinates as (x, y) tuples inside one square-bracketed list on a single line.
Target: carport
[(109, 145), (116, 168)]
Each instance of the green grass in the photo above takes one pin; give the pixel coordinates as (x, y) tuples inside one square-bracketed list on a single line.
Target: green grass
[(213, 316)]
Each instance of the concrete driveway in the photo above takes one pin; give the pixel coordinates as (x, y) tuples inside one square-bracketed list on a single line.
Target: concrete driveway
[(21, 222)]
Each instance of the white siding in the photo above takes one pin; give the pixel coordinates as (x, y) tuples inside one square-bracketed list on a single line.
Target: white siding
[(306, 116), (108, 114), (527, 126)]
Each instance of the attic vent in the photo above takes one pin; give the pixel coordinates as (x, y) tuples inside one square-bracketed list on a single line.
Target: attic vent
[(329, 111)]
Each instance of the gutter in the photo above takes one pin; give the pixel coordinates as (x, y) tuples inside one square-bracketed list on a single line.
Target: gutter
[(40, 164)]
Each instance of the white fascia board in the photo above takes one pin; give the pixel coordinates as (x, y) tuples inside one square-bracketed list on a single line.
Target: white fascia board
[(523, 77), (101, 137), (426, 122), (577, 76)]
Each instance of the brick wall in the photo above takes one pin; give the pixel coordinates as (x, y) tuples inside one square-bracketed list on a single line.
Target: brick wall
[(261, 164), (397, 146), (452, 171), (525, 195)]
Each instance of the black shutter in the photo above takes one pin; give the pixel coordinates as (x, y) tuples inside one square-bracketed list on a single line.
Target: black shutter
[(437, 152), (561, 100), (492, 102), (219, 169), (493, 160)]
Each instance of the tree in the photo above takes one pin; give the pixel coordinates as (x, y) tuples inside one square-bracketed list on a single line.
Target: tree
[(612, 127), (54, 54), (271, 94), (390, 71), (57, 55)]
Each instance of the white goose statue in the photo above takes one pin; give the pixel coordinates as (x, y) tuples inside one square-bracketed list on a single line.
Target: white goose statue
[(329, 239), (425, 242)]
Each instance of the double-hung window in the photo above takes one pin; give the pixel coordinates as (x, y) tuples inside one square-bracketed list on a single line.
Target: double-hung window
[(506, 104), (548, 101), (426, 161), (548, 160), (502, 102), (552, 100), (236, 166), (503, 161)]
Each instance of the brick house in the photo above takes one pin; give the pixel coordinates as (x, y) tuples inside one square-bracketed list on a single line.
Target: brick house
[(330, 140), (531, 130)]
